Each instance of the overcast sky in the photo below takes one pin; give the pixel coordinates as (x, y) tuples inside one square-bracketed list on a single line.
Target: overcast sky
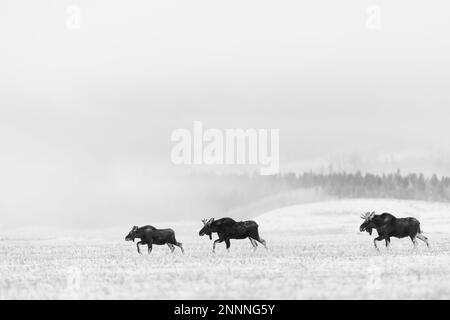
[(82, 110)]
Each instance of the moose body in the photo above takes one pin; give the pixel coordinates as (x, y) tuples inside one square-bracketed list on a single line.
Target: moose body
[(149, 235), (227, 228), (388, 226)]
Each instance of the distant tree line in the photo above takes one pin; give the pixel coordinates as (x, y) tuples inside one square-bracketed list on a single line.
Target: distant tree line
[(358, 185), (235, 189)]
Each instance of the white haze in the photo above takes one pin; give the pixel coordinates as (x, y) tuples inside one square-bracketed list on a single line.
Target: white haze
[(86, 115)]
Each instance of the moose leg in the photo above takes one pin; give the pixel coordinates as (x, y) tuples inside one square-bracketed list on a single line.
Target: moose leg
[(227, 242), (150, 246), (423, 238), (173, 241), (137, 246), (253, 242), (214, 244), (379, 238), (254, 234), (414, 241), (262, 241), (172, 248), (388, 242), (180, 245)]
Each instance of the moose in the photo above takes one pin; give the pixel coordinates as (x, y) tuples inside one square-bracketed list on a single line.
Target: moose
[(389, 226), (227, 228), (149, 235)]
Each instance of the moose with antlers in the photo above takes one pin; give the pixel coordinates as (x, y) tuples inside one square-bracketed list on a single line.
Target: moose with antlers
[(227, 228), (389, 226)]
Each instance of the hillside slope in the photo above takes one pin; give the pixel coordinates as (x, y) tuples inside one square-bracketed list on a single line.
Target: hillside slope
[(345, 214)]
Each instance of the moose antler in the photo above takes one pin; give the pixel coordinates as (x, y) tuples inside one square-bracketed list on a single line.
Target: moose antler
[(207, 221), (368, 215)]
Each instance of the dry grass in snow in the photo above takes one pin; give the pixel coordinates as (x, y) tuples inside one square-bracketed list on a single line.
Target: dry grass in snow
[(315, 252)]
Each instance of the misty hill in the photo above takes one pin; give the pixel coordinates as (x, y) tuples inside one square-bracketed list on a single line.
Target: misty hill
[(251, 194), (342, 216)]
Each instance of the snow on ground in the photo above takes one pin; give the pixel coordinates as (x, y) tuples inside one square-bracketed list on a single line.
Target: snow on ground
[(315, 252)]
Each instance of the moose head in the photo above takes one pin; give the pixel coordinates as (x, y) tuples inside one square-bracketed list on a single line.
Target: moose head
[(132, 234), (368, 224), (206, 228)]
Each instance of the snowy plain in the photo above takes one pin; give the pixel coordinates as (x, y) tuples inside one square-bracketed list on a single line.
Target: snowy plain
[(315, 252)]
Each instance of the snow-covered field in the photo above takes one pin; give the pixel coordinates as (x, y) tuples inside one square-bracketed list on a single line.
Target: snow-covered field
[(315, 252)]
